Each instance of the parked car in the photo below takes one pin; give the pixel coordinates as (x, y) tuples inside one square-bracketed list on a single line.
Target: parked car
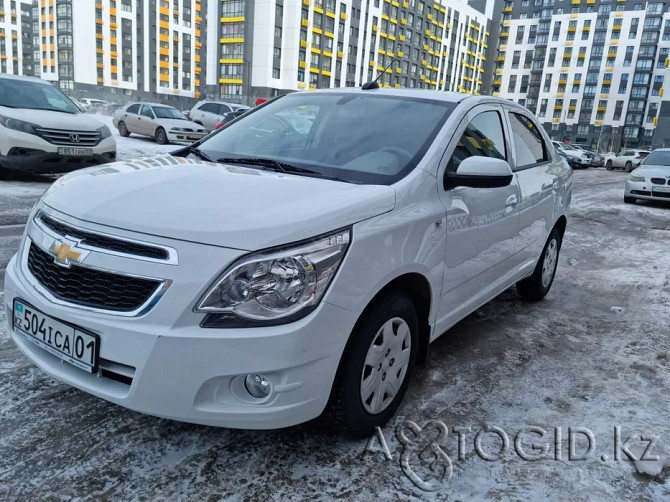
[(626, 159), (651, 180), (209, 113), (163, 123), (230, 116), (43, 131), (597, 159), (575, 158), (94, 105), (270, 273), (110, 108)]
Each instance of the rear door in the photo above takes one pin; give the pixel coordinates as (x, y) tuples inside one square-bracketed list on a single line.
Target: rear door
[(532, 162), (130, 117), (481, 222)]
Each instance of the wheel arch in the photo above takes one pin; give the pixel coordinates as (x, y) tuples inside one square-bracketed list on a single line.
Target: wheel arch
[(419, 292), (561, 225)]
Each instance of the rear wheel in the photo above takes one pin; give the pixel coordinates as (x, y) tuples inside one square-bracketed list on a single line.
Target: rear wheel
[(629, 200), (376, 366), (608, 165), (629, 166), (537, 286), (161, 136), (123, 130)]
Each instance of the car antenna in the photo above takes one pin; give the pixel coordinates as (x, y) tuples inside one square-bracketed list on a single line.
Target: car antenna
[(373, 84)]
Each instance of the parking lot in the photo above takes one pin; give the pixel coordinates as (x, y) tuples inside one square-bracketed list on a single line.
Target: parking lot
[(595, 354)]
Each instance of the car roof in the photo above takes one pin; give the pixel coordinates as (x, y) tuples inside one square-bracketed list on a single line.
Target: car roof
[(150, 104), (9, 76), (448, 96)]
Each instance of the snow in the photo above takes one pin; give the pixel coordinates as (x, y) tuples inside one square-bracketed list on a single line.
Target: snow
[(593, 354), (134, 146)]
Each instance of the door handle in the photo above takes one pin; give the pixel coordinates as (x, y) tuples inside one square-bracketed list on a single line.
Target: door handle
[(511, 200)]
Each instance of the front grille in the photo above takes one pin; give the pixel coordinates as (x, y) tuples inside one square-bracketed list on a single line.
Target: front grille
[(90, 288), (64, 137), (663, 195), (103, 242), (658, 181)]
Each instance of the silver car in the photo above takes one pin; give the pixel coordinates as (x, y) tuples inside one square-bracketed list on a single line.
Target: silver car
[(650, 181), (163, 123), (209, 113)]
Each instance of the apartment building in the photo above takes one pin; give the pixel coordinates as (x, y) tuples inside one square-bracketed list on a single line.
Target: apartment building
[(592, 70), (261, 48), (121, 49), (16, 37)]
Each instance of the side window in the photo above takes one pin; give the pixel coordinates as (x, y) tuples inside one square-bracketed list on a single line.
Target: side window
[(528, 143), (146, 112), (133, 109), (210, 107), (482, 137), (224, 109)]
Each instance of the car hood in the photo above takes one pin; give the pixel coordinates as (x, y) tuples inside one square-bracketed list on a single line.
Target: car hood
[(55, 120), (217, 204), (170, 123), (651, 171)]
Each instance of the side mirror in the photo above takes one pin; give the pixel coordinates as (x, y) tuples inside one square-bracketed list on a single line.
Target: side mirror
[(479, 172)]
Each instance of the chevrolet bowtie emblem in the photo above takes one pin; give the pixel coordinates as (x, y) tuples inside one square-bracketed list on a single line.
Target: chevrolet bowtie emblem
[(65, 254)]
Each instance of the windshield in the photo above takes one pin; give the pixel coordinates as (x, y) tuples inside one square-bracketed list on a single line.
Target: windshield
[(358, 137), (34, 96), (165, 112), (657, 158)]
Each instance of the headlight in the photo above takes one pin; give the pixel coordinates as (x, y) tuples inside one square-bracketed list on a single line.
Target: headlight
[(637, 179), (177, 129), (278, 285), (18, 125), (104, 132)]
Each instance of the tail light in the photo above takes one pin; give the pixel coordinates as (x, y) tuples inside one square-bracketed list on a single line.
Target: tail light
[(218, 125), (637, 157)]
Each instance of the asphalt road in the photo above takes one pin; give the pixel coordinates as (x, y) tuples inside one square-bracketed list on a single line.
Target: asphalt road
[(593, 355)]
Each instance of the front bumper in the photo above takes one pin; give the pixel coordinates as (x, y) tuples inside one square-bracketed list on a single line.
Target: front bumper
[(578, 163), (185, 137), (27, 152), (163, 363), (645, 190)]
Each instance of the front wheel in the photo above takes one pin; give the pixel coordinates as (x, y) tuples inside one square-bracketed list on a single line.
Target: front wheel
[(376, 366), (608, 165), (536, 287), (161, 136)]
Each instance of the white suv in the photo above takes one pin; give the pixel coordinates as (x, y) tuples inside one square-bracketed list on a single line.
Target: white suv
[(43, 131), (209, 113), (300, 259)]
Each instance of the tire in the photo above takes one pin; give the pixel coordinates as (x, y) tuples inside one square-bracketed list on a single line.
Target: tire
[(123, 129), (629, 166), (608, 165), (161, 136), (629, 200), (536, 287), (349, 408)]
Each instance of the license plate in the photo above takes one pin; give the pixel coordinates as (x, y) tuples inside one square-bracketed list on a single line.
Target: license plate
[(75, 152), (67, 342), (661, 189)]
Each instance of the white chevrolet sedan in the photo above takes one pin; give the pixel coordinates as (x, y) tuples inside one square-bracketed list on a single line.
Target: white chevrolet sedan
[(269, 273)]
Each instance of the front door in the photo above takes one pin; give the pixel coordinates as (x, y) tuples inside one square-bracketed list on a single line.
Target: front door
[(481, 222)]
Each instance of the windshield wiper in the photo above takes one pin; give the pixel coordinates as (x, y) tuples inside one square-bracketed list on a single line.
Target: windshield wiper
[(199, 153), (277, 166)]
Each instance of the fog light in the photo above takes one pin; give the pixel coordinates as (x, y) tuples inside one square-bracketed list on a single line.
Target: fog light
[(257, 385)]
